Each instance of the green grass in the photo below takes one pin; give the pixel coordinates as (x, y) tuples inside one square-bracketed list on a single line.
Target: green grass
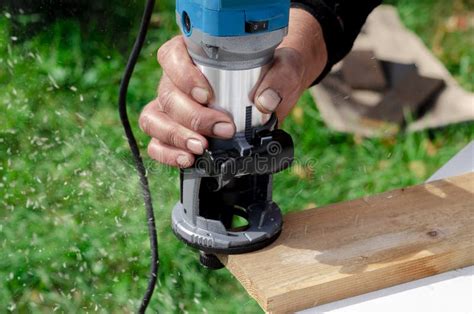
[(72, 224)]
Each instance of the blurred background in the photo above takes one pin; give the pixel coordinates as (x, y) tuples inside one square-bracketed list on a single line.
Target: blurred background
[(73, 234)]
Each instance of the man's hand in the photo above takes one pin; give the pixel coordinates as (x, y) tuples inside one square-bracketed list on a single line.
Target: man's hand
[(179, 121)]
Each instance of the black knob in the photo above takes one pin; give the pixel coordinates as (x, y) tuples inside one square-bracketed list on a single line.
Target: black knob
[(210, 261)]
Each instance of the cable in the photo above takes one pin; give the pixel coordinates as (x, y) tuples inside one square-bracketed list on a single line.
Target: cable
[(132, 61)]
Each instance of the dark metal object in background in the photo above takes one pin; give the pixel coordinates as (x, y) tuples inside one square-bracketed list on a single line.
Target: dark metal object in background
[(403, 92)]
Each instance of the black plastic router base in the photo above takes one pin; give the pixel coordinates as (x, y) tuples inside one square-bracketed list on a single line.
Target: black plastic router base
[(232, 250), (229, 251)]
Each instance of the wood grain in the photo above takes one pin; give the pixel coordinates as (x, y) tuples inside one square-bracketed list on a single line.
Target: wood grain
[(347, 249)]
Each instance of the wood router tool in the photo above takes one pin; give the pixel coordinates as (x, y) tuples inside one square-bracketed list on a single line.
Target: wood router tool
[(233, 43)]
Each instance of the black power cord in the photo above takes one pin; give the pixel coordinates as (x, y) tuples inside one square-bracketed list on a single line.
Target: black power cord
[(145, 22)]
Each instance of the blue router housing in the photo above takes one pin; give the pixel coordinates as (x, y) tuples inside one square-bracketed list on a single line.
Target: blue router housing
[(227, 18)]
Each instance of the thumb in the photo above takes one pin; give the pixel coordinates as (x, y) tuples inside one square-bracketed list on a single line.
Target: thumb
[(282, 85)]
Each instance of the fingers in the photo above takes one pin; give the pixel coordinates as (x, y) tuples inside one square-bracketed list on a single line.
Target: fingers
[(282, 85), (177, 121), (192, 115), (178, 126), (169, 155), (161, 127), (177, 64)]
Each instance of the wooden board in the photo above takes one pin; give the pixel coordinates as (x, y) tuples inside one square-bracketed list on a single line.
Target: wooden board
[(338, 251)]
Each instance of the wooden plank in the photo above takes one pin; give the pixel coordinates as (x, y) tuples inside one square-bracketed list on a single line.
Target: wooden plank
[(342, 250)]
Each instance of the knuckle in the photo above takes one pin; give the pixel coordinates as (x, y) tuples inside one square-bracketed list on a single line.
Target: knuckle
[(291, 68), (144, 122), (165, 98), (163, 53), (293, 76), (185, 82), (151, 151), (174, 136), (177, 76), (196, 122)]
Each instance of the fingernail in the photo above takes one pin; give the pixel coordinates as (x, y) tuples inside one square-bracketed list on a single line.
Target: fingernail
[(183, 161), (223, 129), (269, 99), (195, 146), (200, 94)]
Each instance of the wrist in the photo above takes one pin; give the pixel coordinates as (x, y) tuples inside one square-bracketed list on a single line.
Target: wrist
[(305, 36)]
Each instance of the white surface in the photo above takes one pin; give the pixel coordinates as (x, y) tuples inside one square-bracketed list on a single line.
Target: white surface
[(460, 164), (450, 292)]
